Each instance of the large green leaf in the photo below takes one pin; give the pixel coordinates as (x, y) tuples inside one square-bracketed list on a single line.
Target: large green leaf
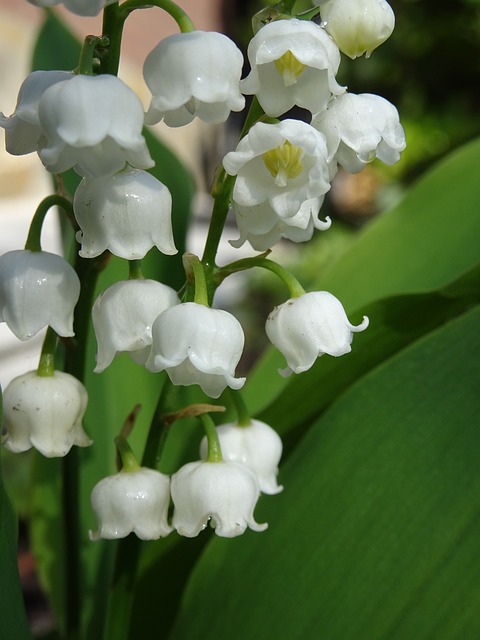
[(13, 622), (429, 240), (376, 534)]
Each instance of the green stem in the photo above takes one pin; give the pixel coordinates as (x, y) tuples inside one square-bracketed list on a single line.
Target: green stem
[(135, 270), (243, 416), (201, 294), (222, 194), (183, 20), (85, 65), (292, 284), (33, 242), (112, 28), (46, 365), (214, 449), (129, 462)]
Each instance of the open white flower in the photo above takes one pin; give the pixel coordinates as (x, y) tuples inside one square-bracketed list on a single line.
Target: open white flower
[(79, 7), (123, 316), (358, 26), (222, 493), (197, 345), (45, 412), (132, 501), (281, 164), (127, 213), (256, 445), (192, 75), (262, 227), (293, 62), (23, 132), (305, 328), (359, 128), (37, 289), (93, 124)]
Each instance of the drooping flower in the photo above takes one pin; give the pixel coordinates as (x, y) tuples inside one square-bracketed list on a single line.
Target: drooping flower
[(45, 412), (123, 316), (359, 128), (37, 289), (132, 501), (197, 345), (93, 124), (256, 445), (305, 328), (281, 164), (293, 62), (192, 75), (263, 228), (23, 132), (79, 7), (358, 26), (222, 493), (127, 213)]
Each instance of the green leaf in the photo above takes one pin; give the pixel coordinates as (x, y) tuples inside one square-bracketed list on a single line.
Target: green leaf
[(428, 241), (375, 536), (13, 621)]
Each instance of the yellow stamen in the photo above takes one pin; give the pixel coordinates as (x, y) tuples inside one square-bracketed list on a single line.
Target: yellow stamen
[(289, 67), (284, 162)]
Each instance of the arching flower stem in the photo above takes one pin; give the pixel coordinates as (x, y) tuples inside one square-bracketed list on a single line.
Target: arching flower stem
[(214, 449), (33, 242), (184, 22), (294, 287), (243, 415)]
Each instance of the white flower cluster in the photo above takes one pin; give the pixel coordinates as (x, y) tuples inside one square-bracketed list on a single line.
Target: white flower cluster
[(222, 494), (282, 171)]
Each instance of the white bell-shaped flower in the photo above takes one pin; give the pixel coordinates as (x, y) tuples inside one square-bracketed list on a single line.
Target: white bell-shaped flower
[(23, 132), (127, 213), (197, 345), (293, 63), (93, 124), (45, 412), (359, 128), (123, 316), (37, 289), (263, 228), (222, 493), (132, 501), (79, 7), (358, 26), (193, 74), (256, 445), (305, 328), (281, 164)]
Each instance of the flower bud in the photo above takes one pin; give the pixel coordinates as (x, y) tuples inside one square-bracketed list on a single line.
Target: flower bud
[(305, 328), (79, 7), (222, 493), (45, 412), (192, 75), (132, 501), (127, 214), (23, 132), (123, 316), (93, 124), (360, 128), (197, 345), (37, 289), (255, 445), (358, 26)]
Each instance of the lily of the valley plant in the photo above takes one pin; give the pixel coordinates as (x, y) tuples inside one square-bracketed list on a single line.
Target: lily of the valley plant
[(274, 181)]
